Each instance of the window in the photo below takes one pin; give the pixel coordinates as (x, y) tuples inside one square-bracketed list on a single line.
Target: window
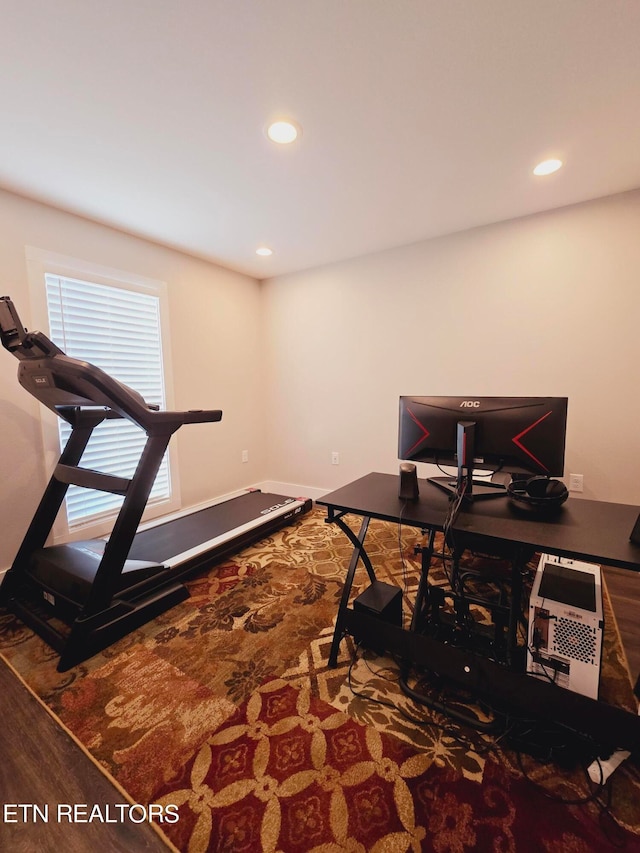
[(116, 325)]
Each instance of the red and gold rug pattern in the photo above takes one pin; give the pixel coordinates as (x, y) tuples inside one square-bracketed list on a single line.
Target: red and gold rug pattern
[(226, 706), (288, 773)]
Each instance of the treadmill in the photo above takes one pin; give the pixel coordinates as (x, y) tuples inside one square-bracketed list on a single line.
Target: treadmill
[(81, 597)]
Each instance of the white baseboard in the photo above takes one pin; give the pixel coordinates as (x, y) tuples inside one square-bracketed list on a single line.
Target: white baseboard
[(291, 490)]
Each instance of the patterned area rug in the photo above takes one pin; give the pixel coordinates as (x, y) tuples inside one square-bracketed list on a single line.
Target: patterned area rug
[(288, 772), (225, 706)]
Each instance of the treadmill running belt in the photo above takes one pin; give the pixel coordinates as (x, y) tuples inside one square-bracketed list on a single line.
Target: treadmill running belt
[(171, 538)]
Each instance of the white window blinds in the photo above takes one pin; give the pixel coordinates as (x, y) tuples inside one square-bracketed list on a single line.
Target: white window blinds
[(118, 330)]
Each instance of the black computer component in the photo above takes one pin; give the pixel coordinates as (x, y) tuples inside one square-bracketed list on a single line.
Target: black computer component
[(384, 601), (521, 436), (408, 489)]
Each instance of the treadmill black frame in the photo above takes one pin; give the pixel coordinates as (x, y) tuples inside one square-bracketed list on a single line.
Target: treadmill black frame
[(120, 598)]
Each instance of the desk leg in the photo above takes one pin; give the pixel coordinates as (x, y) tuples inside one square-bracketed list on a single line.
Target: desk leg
[(358, 552)]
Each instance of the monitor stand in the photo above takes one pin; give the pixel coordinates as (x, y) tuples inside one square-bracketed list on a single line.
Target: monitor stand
[(479, 490), (474, 490)]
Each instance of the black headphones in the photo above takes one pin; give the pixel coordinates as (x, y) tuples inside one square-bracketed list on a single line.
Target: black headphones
[(538, 494)]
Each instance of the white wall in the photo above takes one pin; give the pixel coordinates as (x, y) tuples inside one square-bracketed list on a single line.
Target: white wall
[(217, 359), (545, 305), (314, 362)]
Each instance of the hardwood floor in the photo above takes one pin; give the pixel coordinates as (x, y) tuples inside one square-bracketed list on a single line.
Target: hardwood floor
[(624, 592), (42, 766)]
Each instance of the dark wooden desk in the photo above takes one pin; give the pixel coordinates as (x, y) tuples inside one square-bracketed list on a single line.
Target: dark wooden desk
[(594, 531)]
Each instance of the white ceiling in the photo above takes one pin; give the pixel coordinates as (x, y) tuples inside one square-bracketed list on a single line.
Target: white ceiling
[(419, 117)]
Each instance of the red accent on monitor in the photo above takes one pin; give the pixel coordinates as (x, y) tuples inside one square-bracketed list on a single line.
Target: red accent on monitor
[(518, 443), (421, 427)]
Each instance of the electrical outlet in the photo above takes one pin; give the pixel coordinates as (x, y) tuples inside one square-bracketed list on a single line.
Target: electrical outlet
[(245, 455), (576, 482), (335, 458)]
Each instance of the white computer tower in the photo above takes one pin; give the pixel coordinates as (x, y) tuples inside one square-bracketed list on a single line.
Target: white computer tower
[(566, 624)]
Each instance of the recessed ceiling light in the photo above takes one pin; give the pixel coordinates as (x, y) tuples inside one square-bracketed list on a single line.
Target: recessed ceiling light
[(264, 251), (547, 167), (283, 132)]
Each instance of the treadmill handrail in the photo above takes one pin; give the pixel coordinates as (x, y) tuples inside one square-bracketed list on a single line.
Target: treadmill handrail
[(199, 416), (62, 382)]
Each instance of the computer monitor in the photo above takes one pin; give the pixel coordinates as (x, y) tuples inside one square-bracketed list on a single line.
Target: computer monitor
[(521, 436)]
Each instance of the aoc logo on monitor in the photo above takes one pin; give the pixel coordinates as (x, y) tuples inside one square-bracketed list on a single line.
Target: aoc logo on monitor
[(470, 404)]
